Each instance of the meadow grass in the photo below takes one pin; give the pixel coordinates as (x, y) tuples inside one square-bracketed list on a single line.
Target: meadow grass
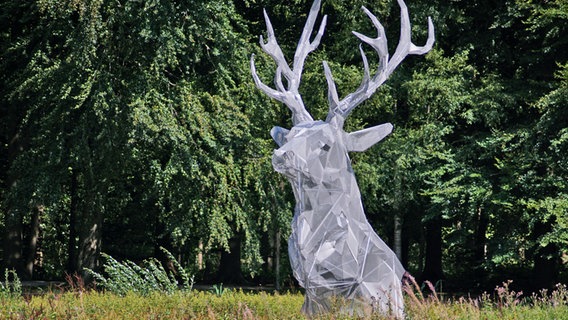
[(131, 292), (179, 305), (236, 304)]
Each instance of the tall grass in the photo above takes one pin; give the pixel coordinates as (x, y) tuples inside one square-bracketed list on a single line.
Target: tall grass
[(149, 292), (235, 304), (502, 304), (180, 305)]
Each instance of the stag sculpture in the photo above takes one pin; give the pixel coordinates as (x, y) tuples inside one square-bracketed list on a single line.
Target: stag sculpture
[(333, 250)]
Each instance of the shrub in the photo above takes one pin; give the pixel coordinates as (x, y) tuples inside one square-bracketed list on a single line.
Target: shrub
[(12, 286), (150, 276)]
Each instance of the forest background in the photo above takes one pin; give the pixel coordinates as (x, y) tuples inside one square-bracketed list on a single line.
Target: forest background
[(126, 126)]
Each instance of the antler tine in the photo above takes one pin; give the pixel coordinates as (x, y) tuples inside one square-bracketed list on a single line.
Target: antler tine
[(386, 67), (304, 45), (405, 45), (273, 49), (290, 95), (332, 96)]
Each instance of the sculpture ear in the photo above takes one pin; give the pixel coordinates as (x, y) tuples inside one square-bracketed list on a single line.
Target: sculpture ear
[(363, 139), (279, 135)]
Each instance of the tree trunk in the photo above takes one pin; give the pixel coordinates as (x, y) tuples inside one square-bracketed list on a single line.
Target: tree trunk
[(546, 260), (397, 241), (89, 225), (433, 262), (398, 235), (89, 242), (480, 237), (73, 207), (230, 264), (12, 243), (13, 221), (200, 264), (480, 242), (422, 249), (277, 260), (32, 243), (405, 249), (545, 272)]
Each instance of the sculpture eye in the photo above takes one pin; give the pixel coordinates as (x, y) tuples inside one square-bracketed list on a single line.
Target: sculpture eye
[(325, 147)]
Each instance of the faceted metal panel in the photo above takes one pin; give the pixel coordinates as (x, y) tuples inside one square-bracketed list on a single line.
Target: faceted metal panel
[(333, 250)]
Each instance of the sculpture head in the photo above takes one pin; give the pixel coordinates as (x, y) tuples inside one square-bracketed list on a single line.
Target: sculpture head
[(316, 149)]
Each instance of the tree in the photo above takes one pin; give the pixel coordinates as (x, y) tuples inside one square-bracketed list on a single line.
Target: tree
[(133, 125), (116, 111)]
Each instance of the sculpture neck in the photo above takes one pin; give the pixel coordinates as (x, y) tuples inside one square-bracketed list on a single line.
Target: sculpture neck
[(338, 193)]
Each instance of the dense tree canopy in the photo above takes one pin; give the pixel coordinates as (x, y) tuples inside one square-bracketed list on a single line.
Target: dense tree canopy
[(130, 125)]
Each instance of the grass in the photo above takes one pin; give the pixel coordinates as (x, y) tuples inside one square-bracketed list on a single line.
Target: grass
[(180, 305), (503, 304), (80, 303), (150, 292)]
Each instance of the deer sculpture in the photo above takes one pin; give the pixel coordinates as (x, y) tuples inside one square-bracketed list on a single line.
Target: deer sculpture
[(333, 250)]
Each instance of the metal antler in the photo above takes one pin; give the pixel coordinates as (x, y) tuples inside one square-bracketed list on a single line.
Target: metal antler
[(289, 94), (386, 67)]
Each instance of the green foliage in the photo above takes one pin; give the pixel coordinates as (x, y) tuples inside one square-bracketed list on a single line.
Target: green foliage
[(505, 303), (145, 104), (123, 277), (218, 289), (142, 118), (12, 286)]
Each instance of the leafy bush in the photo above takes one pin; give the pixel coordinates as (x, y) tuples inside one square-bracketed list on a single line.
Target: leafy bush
[(12, 286), (127, 276)]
